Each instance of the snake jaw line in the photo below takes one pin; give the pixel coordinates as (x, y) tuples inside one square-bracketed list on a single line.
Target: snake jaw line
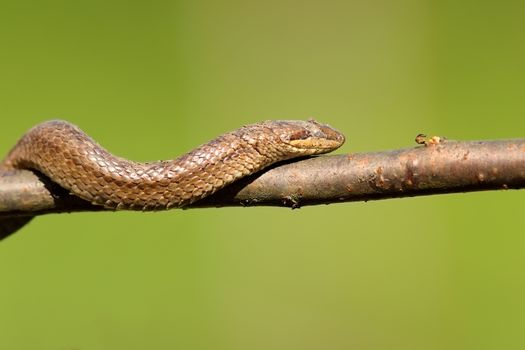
[(312, 137), (322, 145)]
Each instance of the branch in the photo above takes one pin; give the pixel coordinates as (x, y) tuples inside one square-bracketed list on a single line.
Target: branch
[(433, 168)]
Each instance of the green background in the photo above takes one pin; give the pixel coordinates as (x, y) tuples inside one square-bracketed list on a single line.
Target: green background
[(150, 80)]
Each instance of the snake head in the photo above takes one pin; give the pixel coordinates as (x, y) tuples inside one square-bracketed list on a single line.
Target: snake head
[(308, 137)]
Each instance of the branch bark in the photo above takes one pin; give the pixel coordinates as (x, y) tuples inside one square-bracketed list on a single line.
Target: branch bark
[(432, 168)]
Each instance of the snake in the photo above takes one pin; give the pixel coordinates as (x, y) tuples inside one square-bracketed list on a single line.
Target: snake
[(69, 157)]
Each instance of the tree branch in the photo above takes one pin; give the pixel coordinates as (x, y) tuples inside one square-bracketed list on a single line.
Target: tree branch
[(433, 168)]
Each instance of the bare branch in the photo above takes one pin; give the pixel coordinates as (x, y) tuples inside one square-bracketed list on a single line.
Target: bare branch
[(436, 167)]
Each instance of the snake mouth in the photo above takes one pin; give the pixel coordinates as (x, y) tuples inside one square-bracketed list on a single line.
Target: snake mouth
[(315, 135), (317, 143)]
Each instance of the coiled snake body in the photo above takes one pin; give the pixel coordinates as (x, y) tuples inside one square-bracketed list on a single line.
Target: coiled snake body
[(72, 159)]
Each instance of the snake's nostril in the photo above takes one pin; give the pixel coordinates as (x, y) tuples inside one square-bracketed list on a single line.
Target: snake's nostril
[(330, 133)]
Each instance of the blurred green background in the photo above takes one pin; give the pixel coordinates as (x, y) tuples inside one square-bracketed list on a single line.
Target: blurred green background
[(151, 80)]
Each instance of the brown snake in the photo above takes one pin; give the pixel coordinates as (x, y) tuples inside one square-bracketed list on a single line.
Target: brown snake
[(69, 157)]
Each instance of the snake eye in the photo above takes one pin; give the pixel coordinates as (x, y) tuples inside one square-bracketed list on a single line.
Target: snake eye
[(299, 135)]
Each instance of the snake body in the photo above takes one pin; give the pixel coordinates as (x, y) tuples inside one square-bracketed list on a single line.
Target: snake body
[(69, 157)]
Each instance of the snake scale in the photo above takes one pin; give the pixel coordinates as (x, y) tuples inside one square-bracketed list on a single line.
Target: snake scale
[(69, 157)]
